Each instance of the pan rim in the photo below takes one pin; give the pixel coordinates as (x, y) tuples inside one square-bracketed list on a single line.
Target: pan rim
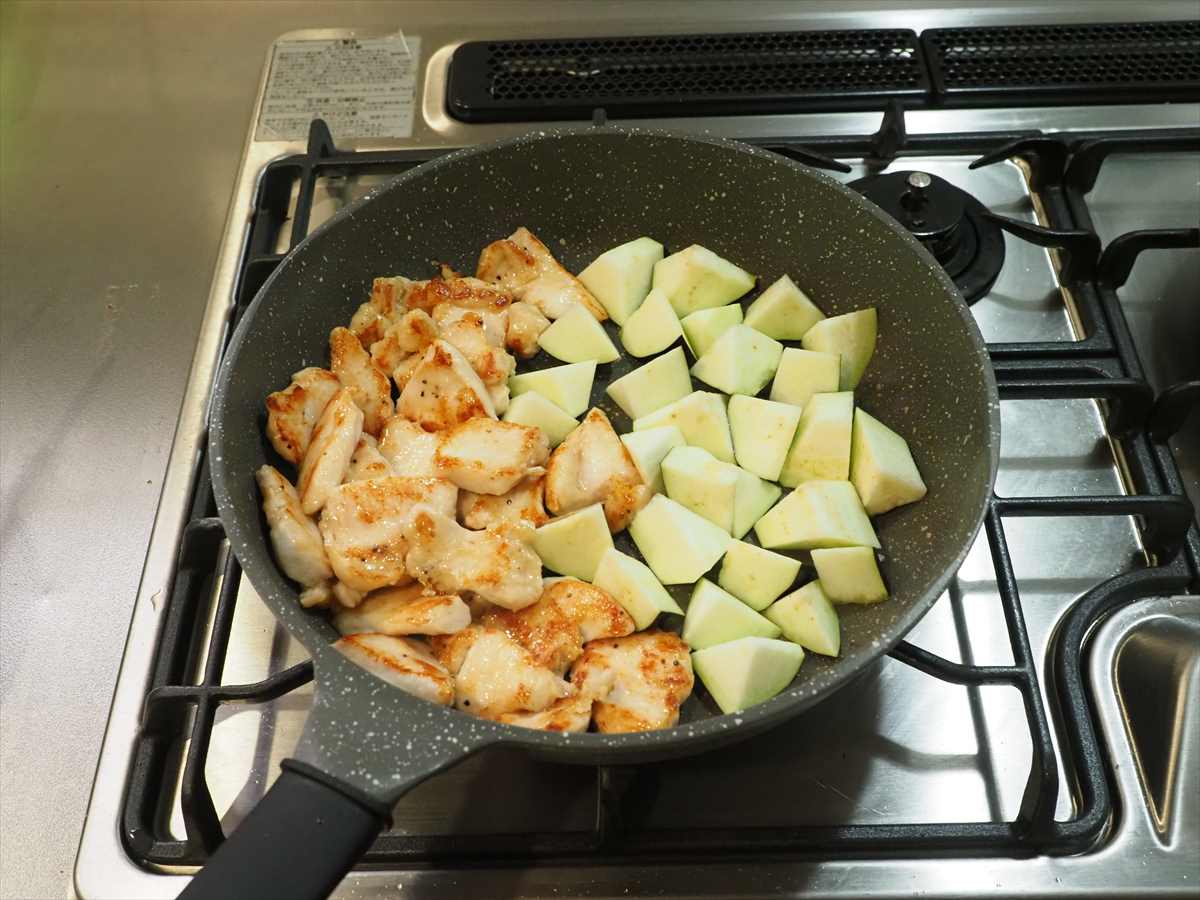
[(684, 737)]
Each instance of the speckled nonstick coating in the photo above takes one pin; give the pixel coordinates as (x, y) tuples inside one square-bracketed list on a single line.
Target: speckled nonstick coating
[(583, 192)]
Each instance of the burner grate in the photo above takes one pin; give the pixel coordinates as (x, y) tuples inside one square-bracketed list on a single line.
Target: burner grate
[(1103, 367)]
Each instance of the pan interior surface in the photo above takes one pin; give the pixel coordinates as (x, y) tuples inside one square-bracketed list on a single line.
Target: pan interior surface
[(583, 193)]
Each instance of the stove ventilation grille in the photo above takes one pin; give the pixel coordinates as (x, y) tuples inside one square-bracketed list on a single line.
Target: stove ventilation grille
[(701, 74), (1065, 63)]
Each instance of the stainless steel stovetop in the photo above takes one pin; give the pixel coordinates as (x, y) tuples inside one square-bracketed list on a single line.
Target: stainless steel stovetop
[(899, 746)]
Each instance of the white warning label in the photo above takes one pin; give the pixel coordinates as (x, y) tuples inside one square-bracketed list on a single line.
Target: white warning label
[(361, 87)]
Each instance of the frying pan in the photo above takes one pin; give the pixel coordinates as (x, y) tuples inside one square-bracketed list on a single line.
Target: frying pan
[(365, 742)]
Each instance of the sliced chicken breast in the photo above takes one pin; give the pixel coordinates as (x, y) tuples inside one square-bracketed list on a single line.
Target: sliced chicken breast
[(347, 597), (451, 649), (466, 293), (521, 505), (554, 629), (334, 440), (403, 372), (368, 384), (295, 537), (405, 610), (406, 664), (500, 676), (525, 325), (411, 334), (382, 309), (570, 714), (522, 265), (487, 456), (593, 465), (367, 462), (409, 448), (495, 320), (644, 679), (592, 610), (506, 266), (444, 390), (319, 595), (364, 524), (492, 364), (500, 397), (543, 629), (293, 412), (498, 565)]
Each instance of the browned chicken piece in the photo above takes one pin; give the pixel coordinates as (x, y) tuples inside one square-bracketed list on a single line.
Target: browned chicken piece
[(500, 676), (594, 611), (643, 679), (412, 334), (478, 605), (525, 267), (364, 525), (382, 309), (487, 456), (555, 288), (386, 352), (444, 390), (495, 321), (543, 629), (367, 462), (500, 397), (525, 325), (317, 595), (293, 412), (554, 629), (295, 537), (492, 364), (368, 384), (455, 299), (522, 504), (405, 610), (347, 597), (404, 370), (404, 663), (468, 293), (409, 448), (498, 565), (625, 498), (592, 465), (505, 266), (329, 452), (451, 649), (570, 714)]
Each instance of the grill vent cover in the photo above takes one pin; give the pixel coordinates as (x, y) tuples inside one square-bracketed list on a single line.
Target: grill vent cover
[(674, 75), (1066, 63)]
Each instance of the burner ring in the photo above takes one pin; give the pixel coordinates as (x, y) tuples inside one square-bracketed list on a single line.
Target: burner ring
[(963, 250), (977, 278), (948, 221)]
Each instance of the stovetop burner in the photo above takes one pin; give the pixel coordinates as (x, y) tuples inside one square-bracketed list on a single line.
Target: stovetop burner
[(951, 224), (1010, 768)]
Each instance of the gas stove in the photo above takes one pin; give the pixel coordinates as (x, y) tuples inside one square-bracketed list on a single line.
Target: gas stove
[(1035, 733)]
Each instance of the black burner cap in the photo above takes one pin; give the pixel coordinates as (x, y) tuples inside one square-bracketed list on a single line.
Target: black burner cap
[(947, 220)]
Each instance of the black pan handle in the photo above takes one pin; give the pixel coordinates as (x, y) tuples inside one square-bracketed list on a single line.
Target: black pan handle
[(298, 842)]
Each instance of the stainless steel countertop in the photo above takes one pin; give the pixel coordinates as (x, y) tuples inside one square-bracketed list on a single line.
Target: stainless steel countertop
[(121, 126), (120, 129)]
